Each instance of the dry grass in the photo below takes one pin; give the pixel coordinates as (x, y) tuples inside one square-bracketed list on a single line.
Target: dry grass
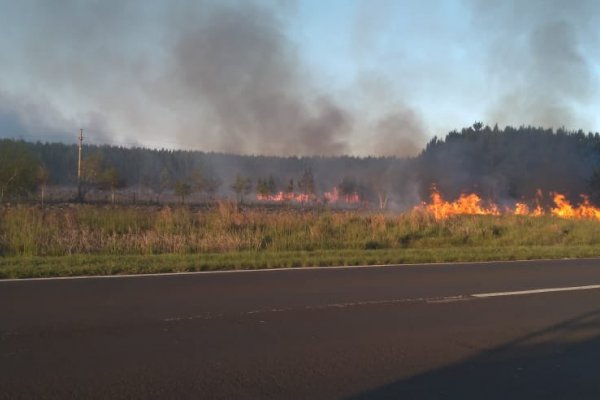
[(101, 230)]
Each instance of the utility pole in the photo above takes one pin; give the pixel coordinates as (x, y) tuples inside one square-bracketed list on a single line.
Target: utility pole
[(79, 193)]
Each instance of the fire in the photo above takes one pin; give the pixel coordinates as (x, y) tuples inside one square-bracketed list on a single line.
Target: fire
[(335, 197), (521, 209), (471, 204), (564, 208), (537, 212), (284, 196), (466, 204), (330, 197), (281, 196)]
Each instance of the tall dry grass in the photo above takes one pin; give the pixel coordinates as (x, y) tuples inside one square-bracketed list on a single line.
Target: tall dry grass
[(86, 229)]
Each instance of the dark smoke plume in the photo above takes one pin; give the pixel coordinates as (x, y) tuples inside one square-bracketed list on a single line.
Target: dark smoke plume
[(236, 64), (211, 75), (226, 75)]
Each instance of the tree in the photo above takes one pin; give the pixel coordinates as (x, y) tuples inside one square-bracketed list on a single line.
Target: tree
[(182, 189), (271, 184), (165, 181), (306, 184), (261, 187), (43, 179), (112, 180), (204, 183), (594, 185), (198, 181), (379, 187), (91, 174), (18, 170), (289, 189), (211, 187), (241, 186), (265, 187), (347, 186)]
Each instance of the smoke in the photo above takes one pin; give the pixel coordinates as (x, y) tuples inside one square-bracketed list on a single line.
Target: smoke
[(217, 76), (228, 75), (208, 75), (26, 119), (400, 133), (539, 59), (236, 65)]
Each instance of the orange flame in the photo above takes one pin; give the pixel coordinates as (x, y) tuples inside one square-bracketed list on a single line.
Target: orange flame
[(285, 196), (335, 197), (521, 209), (564, 209), (466, 204), (331, 197), (281, 196), (471, 204)]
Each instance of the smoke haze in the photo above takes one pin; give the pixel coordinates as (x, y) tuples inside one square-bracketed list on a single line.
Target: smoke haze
[(233, 76), (541, 59)]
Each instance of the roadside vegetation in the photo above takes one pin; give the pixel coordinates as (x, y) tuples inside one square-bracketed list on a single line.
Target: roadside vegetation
[(143, 210), (87, 239)]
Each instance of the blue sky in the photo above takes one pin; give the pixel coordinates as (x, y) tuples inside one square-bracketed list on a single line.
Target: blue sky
[(307, 77), (434, 53)]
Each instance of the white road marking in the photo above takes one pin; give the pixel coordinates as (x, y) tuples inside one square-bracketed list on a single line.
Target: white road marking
[(534, 291), (428, 300), (281, 269)]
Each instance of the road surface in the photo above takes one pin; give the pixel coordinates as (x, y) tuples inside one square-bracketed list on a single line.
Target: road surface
[(481, 331)]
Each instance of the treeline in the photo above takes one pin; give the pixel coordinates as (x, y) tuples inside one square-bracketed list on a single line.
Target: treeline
[(509, 163), (182, 173), (512, 163)]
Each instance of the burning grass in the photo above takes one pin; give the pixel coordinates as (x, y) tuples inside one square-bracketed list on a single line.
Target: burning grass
[(472, 204), (108, 240)]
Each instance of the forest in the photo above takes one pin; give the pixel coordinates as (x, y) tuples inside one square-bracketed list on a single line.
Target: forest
[(501, 164)]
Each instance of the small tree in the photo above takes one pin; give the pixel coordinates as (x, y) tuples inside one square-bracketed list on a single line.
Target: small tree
[(379, 187), (594, 186), (182, 189), (271, 185), (18, 170), (198, 181), (43, 179), (211, 187), (265, 187), (163, 183), (112, 180), (241, 186), (205, 183), (261, 187), (91, 174), (289, 189), (306, 184), (347, 186)]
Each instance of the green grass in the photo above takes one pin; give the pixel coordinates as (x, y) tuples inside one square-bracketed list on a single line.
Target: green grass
[(80, 265), (94, 240)]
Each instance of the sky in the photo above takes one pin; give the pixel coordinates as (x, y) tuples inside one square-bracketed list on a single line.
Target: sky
[(328, 77)]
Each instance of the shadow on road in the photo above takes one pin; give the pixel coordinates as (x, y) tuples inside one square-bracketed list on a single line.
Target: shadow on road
[(561, 361)]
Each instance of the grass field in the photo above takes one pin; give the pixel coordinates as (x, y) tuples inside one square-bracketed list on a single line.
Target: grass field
[(93, 240)]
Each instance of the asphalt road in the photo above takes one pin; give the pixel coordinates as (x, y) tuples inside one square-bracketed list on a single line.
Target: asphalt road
[(375, 332)]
